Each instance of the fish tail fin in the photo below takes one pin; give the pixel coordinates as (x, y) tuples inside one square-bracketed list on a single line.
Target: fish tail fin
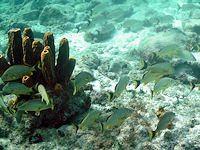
[(137, 83), (192, 86), (1, 81), (153, 55), (101, 127), (75, 128), (151, 91), (151, 134), (110, 95), (144, 65)]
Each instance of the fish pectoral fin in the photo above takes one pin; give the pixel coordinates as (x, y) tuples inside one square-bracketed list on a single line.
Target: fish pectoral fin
[(108, 127), (83, 128), (157, 133)]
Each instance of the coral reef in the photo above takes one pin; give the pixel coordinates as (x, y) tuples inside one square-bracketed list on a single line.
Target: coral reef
[(32, 55)]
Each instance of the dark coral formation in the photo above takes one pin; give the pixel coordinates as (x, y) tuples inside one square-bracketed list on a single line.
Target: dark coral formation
[(48, 67), (56, 79), (65, 65), (3, 65), (15, 52)]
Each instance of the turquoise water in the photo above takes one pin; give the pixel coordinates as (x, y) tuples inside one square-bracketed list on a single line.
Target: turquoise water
[(90, 82)]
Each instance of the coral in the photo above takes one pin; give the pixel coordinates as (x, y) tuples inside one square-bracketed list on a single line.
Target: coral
[(49, 41), (28, 32), (15, 52), (28, 51), (48, 67), (3, 65), (28, 81), (37, 50), (56, 80)]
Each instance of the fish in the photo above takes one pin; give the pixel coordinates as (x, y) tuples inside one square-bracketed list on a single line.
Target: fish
[(35, 105), (18, 115), (15, 72), (119, 88), (81, 80), (3, 105), (147, 78), (169, 51), (16, 88), (88, 120), (162, 68), (43, 93), (174, 51), (117, 118), (162, 124), (162, 85)]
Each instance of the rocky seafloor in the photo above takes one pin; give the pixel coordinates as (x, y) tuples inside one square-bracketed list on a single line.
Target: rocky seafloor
[(108, 39)]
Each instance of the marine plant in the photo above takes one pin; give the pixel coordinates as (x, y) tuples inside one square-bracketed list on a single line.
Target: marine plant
[(42, 87)]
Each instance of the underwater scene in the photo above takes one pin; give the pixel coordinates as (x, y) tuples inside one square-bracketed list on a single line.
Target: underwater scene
[(100, 75)]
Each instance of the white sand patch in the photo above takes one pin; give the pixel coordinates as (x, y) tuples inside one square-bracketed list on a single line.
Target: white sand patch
[(196, 55)]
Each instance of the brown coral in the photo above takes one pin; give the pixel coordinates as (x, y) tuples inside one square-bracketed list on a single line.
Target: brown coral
[(3, 65), (47, 67), (28, 51), (49, 41), (28, 81), (65, 65), (15, 52)]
